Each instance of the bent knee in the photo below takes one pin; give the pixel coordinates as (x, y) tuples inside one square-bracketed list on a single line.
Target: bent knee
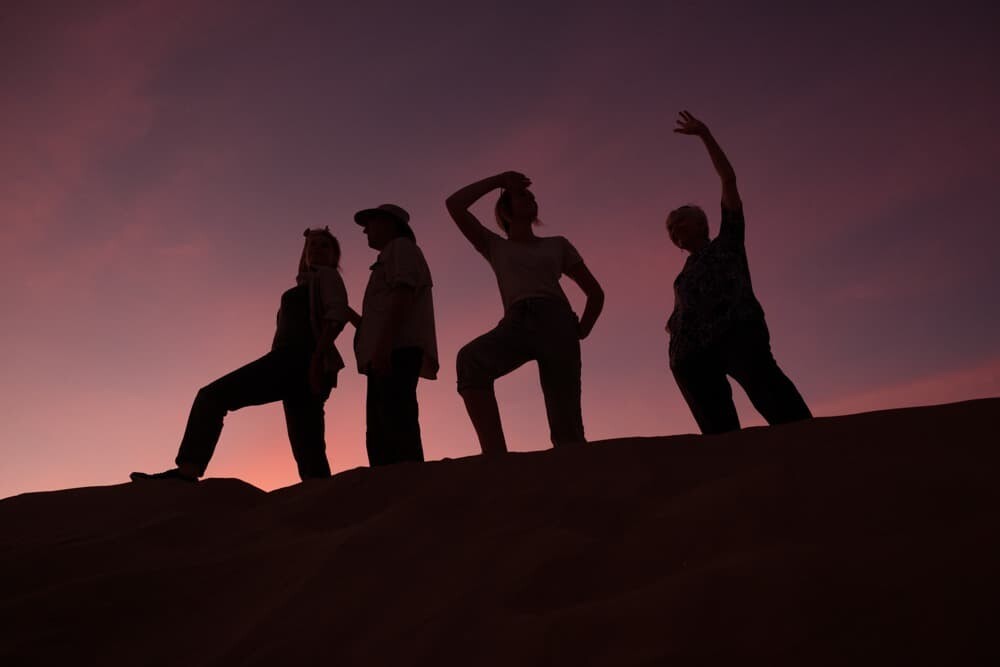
[(211, 395), (471, 371)]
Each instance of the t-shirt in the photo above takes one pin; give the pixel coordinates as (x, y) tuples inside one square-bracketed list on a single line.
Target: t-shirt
[(401, 263), (526, 269), (713, 293)]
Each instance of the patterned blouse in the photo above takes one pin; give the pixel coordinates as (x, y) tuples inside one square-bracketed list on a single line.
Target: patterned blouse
[(712, 293)]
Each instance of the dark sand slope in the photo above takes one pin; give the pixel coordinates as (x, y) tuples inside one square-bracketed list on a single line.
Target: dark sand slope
[(868, 539)]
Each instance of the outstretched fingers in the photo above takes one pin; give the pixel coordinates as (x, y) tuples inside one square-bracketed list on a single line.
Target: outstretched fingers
[(688, 124)]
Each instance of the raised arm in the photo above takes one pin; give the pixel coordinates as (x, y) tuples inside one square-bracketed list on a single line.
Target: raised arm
[(459, 203), (688, 124)]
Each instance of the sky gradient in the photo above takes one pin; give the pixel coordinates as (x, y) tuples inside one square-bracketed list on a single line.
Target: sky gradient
[(161, 159)]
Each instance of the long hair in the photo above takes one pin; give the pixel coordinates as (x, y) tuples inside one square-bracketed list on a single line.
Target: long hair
[(310, 233)]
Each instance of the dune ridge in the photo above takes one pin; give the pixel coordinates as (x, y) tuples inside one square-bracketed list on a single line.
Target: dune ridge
[(860, 539)]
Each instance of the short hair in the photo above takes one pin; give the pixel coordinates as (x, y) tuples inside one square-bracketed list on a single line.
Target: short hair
[(303, 264), (689, 211)]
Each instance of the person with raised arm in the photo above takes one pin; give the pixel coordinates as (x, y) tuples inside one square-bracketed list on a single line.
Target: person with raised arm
[(717, 326), (300, 370), (538, 322)]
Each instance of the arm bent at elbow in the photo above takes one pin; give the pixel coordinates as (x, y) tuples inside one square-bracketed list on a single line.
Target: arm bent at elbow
[(459, 203), (581, 275)]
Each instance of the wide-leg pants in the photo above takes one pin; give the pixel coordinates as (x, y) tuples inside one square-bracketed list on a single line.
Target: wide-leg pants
[(745, 355)]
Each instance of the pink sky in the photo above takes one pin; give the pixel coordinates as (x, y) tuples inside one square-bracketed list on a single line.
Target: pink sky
[(162, 158)]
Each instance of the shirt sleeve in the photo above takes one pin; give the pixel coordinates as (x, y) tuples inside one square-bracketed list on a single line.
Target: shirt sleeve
[(332, 296), (404, 264), (570, 256), (733, 226)]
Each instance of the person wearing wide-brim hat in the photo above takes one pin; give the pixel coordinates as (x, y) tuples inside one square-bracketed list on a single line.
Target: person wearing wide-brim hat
[(395, 344)]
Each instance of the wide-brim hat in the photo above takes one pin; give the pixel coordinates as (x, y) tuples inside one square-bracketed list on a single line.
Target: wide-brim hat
[(395, 213)]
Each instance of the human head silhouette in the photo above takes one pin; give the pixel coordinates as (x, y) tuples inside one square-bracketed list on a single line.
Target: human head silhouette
[(321, 248), (687, 227), (516, 208), (384, 223)]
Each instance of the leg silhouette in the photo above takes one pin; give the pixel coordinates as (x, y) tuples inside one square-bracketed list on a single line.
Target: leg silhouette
[(770, 391), (479, 363), (706, 389), (393, 434), (558, 354), (265, 380), (304, 419)]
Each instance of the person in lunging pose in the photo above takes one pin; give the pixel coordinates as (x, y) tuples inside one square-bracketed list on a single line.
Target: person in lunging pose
[(717, 327), (538, 322), (300, 370)]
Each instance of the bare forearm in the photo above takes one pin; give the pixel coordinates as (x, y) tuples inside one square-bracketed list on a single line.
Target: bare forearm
[(470, 194), (595, 304), (719, 160)]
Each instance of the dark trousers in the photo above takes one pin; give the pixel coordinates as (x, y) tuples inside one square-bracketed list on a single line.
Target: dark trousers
[(280, 375), (393, 434), (746, 356)]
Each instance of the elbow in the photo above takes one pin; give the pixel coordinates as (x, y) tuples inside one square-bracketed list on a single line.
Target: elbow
[(453, 205), (596, 294)]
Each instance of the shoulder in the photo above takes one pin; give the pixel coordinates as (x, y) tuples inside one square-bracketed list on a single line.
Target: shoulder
[(403, 259), (329, 278), (733, 224), (490, 237), (570, 252), (401, 248)]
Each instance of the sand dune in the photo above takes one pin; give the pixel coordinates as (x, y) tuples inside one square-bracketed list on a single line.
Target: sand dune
[(867, 539)]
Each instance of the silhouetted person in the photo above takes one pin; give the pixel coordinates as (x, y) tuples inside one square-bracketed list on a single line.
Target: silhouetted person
[(717, 326), (395, 343), (300, 370), (538, 322)]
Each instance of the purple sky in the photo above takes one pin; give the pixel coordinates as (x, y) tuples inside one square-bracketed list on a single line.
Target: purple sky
[(161, 160)]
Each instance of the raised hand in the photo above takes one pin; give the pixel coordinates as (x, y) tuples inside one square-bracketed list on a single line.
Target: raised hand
[(688, 124), (514, 180)]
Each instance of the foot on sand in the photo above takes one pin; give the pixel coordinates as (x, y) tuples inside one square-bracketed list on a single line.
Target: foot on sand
[(173, 473)]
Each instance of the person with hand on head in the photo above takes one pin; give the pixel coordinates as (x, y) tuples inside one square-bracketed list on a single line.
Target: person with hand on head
[(717, 326), (538, 322), (395, 343), (300, 370)]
